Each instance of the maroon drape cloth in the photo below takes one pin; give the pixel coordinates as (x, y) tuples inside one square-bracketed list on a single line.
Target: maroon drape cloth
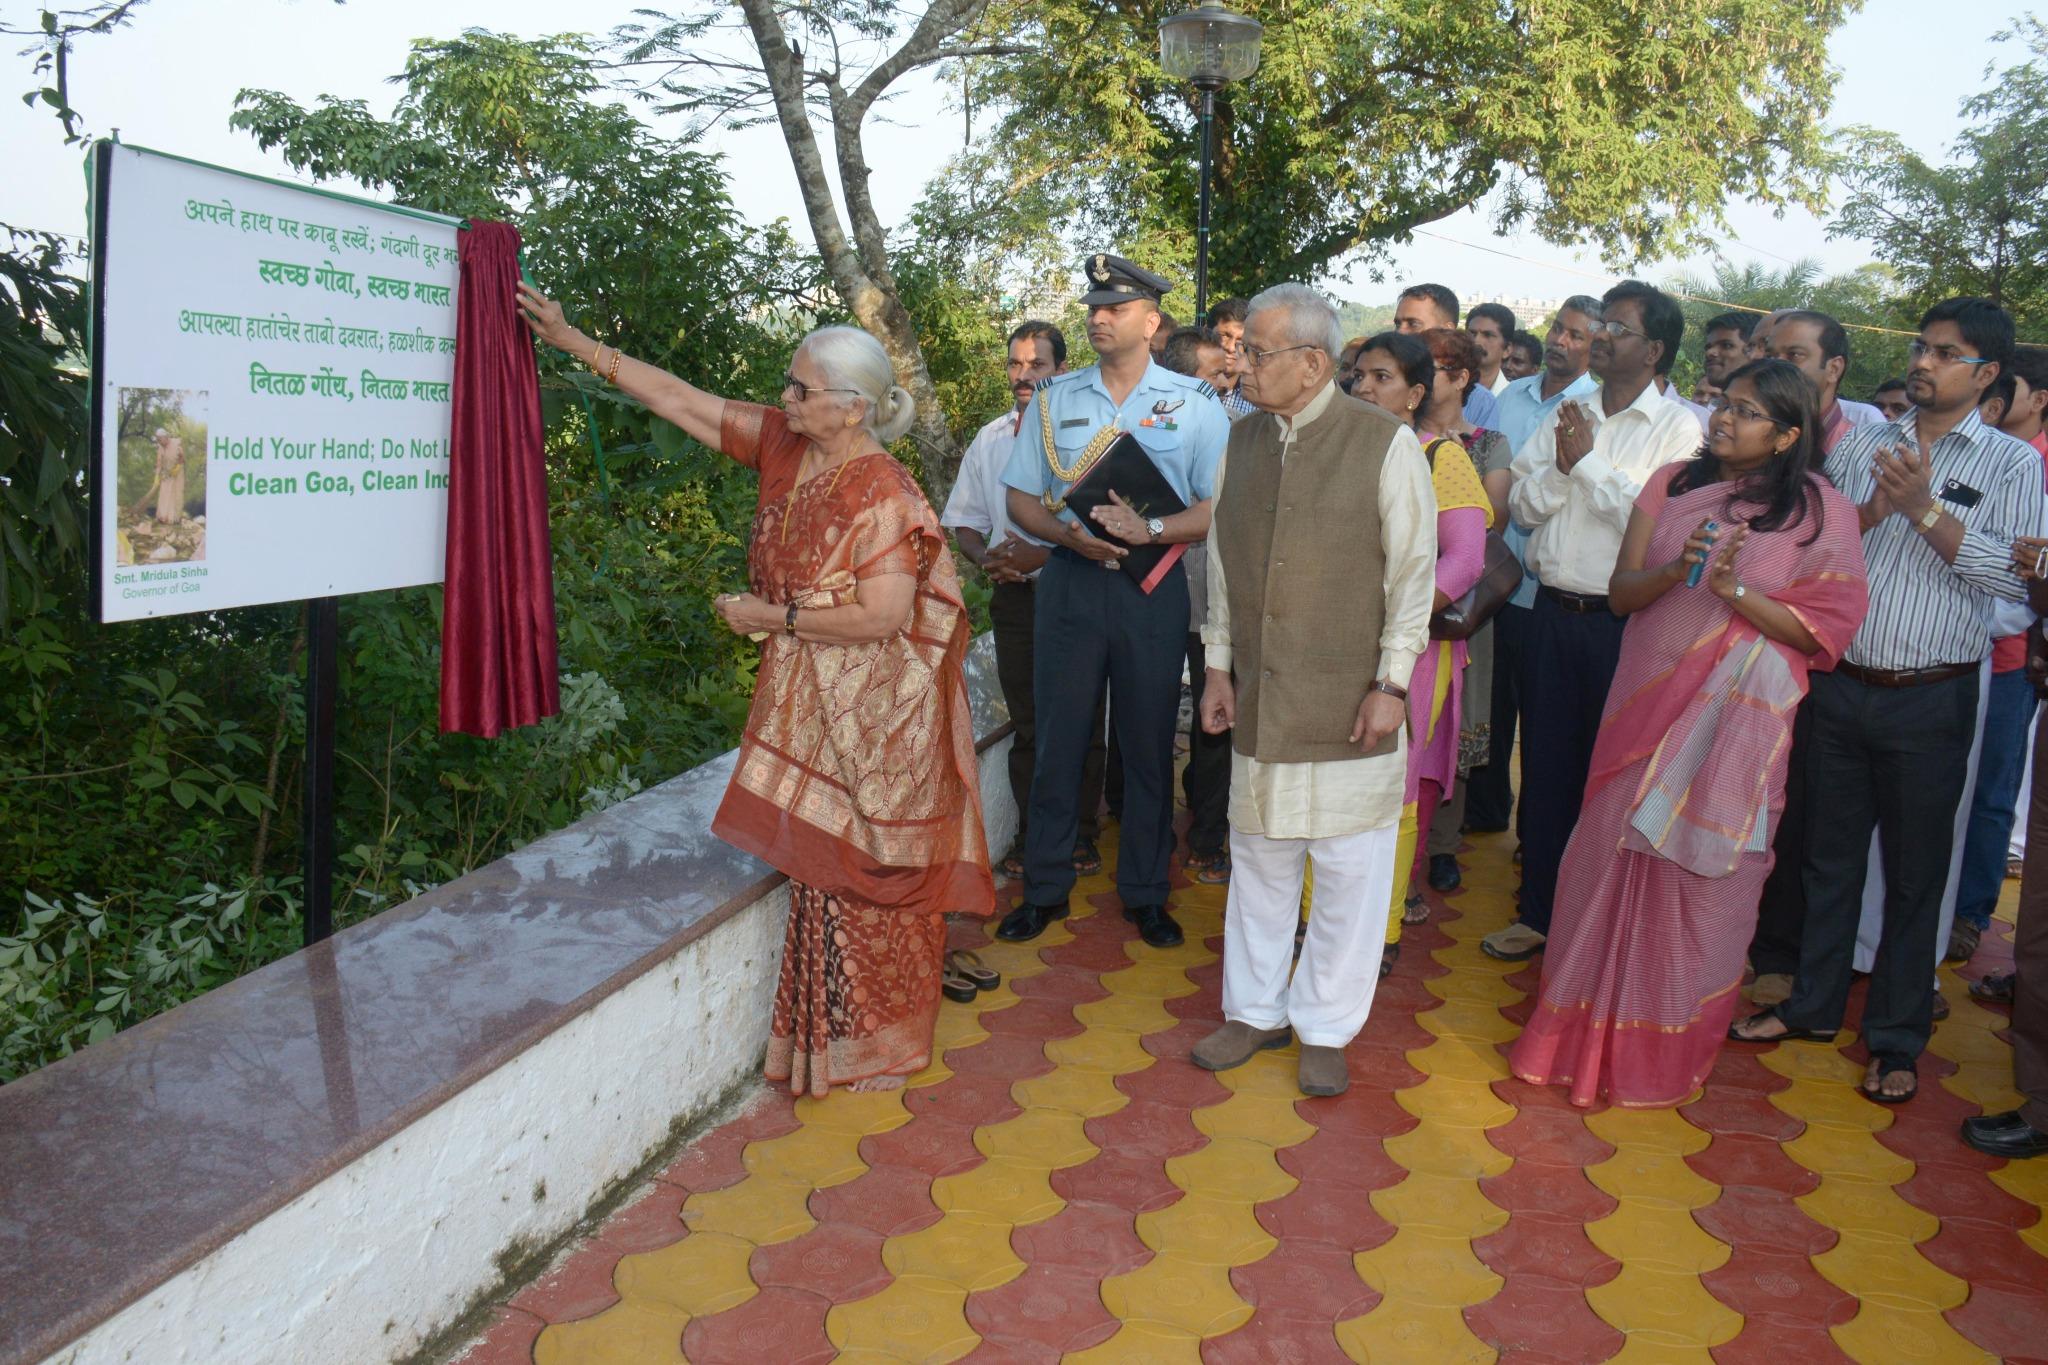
[(498, 631)]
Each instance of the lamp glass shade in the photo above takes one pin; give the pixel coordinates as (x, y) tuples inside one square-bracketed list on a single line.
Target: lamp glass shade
[(1210, 44)]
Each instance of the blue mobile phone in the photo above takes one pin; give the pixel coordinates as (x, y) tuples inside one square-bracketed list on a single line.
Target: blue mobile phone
[(1692, 579)]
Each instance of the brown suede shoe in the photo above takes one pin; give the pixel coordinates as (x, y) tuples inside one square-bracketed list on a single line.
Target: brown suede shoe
[(1237, 1043), (1323, 1070)]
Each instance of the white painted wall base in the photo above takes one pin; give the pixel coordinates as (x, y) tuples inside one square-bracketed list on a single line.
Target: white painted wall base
[(391, 1251)]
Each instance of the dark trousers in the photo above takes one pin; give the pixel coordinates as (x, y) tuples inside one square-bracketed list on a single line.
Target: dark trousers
[(1489, 791), (1781, 911), (2001, 760), (2030, 954), (1892, 759), (1206, 779), (1568, 661), (1012, 612), (1095, 625)]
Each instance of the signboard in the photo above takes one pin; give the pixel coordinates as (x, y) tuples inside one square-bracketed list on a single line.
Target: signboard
[(272, 376)]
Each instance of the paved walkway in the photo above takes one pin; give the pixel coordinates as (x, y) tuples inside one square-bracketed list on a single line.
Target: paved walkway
[(1063, 1183)]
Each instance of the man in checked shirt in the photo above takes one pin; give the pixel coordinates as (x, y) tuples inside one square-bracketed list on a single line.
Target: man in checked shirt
[(1942, 497)]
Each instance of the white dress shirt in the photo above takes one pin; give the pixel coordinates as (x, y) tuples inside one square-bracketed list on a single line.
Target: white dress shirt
[(1343, 796), (1576, 520), (1500, 382), (980, 500)]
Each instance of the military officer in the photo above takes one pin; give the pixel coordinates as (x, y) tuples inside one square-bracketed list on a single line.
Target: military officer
[(1093, 622)]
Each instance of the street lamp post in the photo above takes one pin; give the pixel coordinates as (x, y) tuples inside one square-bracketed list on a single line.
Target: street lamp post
[(1210, 45)]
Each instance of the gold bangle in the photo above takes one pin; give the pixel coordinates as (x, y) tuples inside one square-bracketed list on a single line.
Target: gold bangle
[(613, 376), (596, 354)]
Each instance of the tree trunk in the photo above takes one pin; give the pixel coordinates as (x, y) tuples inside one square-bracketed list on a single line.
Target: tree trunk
[(857, 262)]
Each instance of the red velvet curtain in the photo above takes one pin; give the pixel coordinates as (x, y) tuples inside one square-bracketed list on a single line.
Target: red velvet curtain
[(498, 631)]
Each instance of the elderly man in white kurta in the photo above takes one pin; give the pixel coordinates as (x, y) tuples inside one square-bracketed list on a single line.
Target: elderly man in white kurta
[(1322, 560)]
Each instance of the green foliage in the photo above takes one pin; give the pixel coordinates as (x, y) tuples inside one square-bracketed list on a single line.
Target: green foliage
[(1597, 121), (42, 418)]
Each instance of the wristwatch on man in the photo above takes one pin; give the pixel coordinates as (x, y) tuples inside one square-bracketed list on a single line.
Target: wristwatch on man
[(1156, 527), (1928, 518)]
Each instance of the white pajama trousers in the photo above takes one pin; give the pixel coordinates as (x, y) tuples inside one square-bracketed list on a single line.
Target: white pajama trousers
[(1332, 987)]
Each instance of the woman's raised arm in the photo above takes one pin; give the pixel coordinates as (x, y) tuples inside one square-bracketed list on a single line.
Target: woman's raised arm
[(698, 413)]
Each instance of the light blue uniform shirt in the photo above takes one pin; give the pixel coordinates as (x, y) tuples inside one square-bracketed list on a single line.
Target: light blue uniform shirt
[(1482, 409), (1177, 419), (1523, 411)]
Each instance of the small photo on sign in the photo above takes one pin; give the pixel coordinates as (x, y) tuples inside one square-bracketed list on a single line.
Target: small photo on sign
[(162, 490)]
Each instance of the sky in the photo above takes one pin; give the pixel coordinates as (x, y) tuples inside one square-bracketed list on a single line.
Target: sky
[(168, 82)]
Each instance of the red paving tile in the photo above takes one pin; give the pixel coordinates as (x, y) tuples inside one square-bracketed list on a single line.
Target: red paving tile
[(1741, 1113), (507, 1341), (1098, 1238), (649, 1223), (891, 1200), (1753, 1161), (1360, 1112), (1305, 1278), (770, 1115), (1042, 1020), (576, 1288), (1069, 987), (1544, 1244), (2010, 1323), (778, 1324), (1556, 1136), (1536, 1187), (970, 1098), (1050, 1308), (1327, 1213), (1778, 1287), (711, 1163), (933, 1145), (1338, 1160), (1276, 1339), (1147, 1129), (836, 1261), (1955, 1190), (1535, 1318), (1175, 1045), (1128, 1183), (1377, 1067), (1002, 1061), (1763, 1219), (1182, 1085), (1988, 1256), (1736, 1068)]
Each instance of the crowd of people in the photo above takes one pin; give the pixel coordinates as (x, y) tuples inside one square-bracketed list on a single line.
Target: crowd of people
[(1769, 656)]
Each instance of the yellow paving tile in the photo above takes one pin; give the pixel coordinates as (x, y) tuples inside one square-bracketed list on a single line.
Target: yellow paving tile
[(1089, 1094), (628, 1334), (1449, 1205), (1961, 1043), (1470, 1020), (957, 1026), (1176, 1292), (1456, 1104), (931, 1075), (1878, 1270), (1646, 1349), (1398, 1330), (1876, 1211), (1659, 1238), (1149, 981), (1126, 1013), (963, 1249), (704, 1273), (1255, 1118), (1142, 1343), (1477, 986), (1821, 1062), (1988, 1088), (1114, 1052), (1425, 1267), (2026, 1180), (844, 1111), (1651, 1130), (1460, 1060), (1833, 1106), (1207, 1231), (761, 1210), (1272, 1075), (1445, 1149), (1849, 1154), (1664, 1308), (1047, 1138), (1001, 1189), (812, 1155), (1896, 1337), (1657, 1178), (1231, 1169), (913, 1318)]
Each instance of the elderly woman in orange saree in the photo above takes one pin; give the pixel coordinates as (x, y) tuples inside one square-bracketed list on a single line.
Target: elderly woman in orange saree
[(856, 775), (1658, 893)]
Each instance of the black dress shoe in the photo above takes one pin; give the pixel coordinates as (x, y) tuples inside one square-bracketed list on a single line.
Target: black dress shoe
[(1028, 921), (1443, 872), (1155, 925), (2007, 1135)]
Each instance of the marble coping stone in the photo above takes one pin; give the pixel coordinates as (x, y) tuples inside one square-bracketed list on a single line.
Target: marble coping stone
[(128, 1161)]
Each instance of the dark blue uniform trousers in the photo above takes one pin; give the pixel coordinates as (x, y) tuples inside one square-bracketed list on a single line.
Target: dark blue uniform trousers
[(1095, 624), (1568, 663)]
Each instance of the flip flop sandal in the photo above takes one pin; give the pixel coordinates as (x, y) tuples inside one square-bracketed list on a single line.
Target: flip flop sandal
[(1388, 958), (1214, 872), (1415, 911), (1790, 1035), (967, 965), (1885, 1069), (1086, 860), (1995, 989), (957, 988), (1011, 866)]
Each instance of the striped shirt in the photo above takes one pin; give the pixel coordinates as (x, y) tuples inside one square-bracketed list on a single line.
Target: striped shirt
[(1923, 612)]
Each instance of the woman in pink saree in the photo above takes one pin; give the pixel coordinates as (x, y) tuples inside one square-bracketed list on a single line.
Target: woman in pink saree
[(1658, 893)]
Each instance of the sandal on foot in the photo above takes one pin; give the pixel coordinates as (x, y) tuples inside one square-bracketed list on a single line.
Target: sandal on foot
[(1011, 866), (1213, 870), (967, 964), (1086, 860), (1995, 989), (1792, 1034), (1415, 911), (1388, 957), (1887, 1067)]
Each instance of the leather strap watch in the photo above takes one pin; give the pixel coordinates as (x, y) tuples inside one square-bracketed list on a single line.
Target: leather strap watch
[(1394, 690)]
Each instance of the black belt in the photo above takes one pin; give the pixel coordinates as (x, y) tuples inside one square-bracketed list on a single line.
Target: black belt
[(1582, 603), (1903, 677)]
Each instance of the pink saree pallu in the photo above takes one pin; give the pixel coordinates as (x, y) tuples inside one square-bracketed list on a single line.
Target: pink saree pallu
[(1657, 897)]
